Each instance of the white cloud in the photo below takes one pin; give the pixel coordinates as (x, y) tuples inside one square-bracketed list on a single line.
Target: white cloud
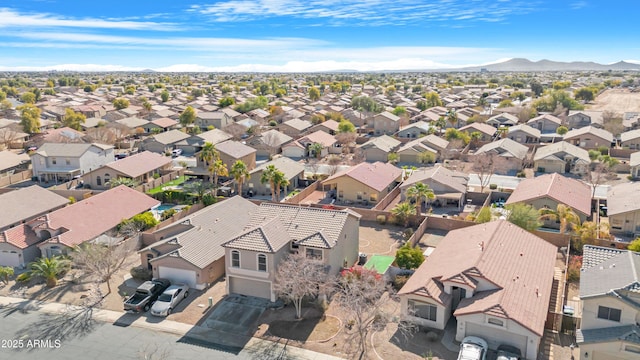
[(71, 67), (367, 12), (12, 19)]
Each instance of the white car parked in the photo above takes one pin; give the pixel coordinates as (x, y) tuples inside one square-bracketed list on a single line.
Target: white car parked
[(169, 299), (473, 348)]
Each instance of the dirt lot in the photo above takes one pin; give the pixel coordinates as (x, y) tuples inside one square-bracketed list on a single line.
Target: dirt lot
[(616, 100), (380, 239)]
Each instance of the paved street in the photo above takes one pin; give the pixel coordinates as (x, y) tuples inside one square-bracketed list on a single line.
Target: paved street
[(102, 341)]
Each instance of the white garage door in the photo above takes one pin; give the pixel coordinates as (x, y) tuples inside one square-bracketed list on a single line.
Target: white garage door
[(8, 258), (495, 337), (178, 275), (249, 287)]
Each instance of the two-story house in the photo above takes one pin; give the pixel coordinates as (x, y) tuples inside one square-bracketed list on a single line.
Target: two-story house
[(379, 148), (386, 123), (507, 155), (610, 323), (293, 171), (581, 118), (494, 278), (217, 119), (589, 137), (275, 230), (63, 162)]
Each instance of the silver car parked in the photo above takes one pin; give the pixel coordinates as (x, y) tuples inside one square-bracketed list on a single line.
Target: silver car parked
[(169, 299)]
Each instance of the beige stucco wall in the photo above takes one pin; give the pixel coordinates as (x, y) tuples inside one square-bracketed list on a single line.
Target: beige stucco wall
[(27, 255), (350, 188), (443, 313), (588, 141), (375, 154), (606, 351), (590, 313), (346, 249), (550, 166), (249, 160), (382, 125), (553, 205), (207, 275), (625, 222), (496, 335)]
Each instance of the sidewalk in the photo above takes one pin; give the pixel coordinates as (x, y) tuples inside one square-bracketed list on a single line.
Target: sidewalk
[(194, 334)]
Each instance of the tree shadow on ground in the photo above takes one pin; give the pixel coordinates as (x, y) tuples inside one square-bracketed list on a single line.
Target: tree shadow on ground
[(422, 343), (267, 350), (73, 322), (298, 330)]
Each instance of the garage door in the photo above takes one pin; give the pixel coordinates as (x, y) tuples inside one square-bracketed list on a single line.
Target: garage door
[(495, 337), (8, 258), (178, 275), (249, 287)]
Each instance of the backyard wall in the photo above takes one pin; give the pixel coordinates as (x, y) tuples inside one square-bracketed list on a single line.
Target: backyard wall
[(16, 178), (385, 201), (159, 181), (447, 224), (296, 199), (555, 238)]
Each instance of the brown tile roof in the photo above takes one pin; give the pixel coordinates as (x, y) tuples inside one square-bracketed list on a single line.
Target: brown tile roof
[(164, 122), (235, 149), (268, 237), (481, 127), (377, 176), (139, 164), (453, 180), (518, 263), (570, 192), (20, 236), (320, 137), (91, 217)]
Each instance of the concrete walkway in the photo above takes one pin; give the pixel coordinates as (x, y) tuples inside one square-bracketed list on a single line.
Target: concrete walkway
[(191, 334), (449, 336)]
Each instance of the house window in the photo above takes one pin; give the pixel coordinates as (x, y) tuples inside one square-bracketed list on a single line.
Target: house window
[(608, 313), (423, 310), (497, 322), (99, 181), (340, 194), (67, 161), (262, 262), (54, 161), (315, 254), (359, 195), (235, 259), (373, 197)]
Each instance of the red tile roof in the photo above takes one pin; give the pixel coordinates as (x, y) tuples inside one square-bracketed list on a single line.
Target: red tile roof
[(91, 217), (570, 192), (20, 236), (164, 122), (377, 176), (519, 264)]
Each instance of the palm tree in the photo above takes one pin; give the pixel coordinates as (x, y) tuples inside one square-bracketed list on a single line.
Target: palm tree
[(268, 176), (279, 180), (123, 181), (568, 219), (218, 168), (402, 211), (316, 149), (440, 123), (452, 117), (49, 269), (240, 173), (419, 192), (475, 137), (198, 187), (208, 154)]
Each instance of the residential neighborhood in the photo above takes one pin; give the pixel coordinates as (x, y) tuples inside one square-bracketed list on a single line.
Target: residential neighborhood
[(354, 218)]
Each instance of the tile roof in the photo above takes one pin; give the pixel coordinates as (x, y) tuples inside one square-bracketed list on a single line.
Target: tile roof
[(606, 270), (548, 117), (389, 116), (164, 122), (9, 159), (298, 124), (67, 149), (314, 227), (93, 216), (267, 237), (561, 147), (235, 149), (623, 198), (385, 143), (570, 192), (520, 264), (630, 135), (625, 333), (211, 227), (601, 133), (481, 127), (290, 168), (25, 203), (170, 137), (455, 181), (505, 148), (525, 129), (377, 176), (133, 122), (21, 236), (320, 137), (139, 164)]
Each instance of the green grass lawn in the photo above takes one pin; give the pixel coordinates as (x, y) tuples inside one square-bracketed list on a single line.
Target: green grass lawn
[(175, 182)]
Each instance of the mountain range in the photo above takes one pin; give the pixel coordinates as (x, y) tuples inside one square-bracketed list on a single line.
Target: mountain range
[(525, 65)]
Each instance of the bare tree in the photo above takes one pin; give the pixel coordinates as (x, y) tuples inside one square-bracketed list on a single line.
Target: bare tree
[(333, 161), (102, 135), (298, 278), (154, 352), (599, 172), (364, 296), (120, 131), (8, 135), (271, 142), (347, 140), (484, 167), (102, 261), (314, 165), (612, 122)]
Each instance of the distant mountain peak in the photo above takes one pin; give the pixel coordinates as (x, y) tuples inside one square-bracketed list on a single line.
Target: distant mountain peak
[(526, 65)]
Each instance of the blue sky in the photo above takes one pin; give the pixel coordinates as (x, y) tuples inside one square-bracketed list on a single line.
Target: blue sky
[(310, 35)]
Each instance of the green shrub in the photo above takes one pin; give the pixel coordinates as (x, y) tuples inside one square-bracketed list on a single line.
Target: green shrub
[(381, 219), (24, 277), (493, 186), (399, 281), (168, 214), (520, 174)]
